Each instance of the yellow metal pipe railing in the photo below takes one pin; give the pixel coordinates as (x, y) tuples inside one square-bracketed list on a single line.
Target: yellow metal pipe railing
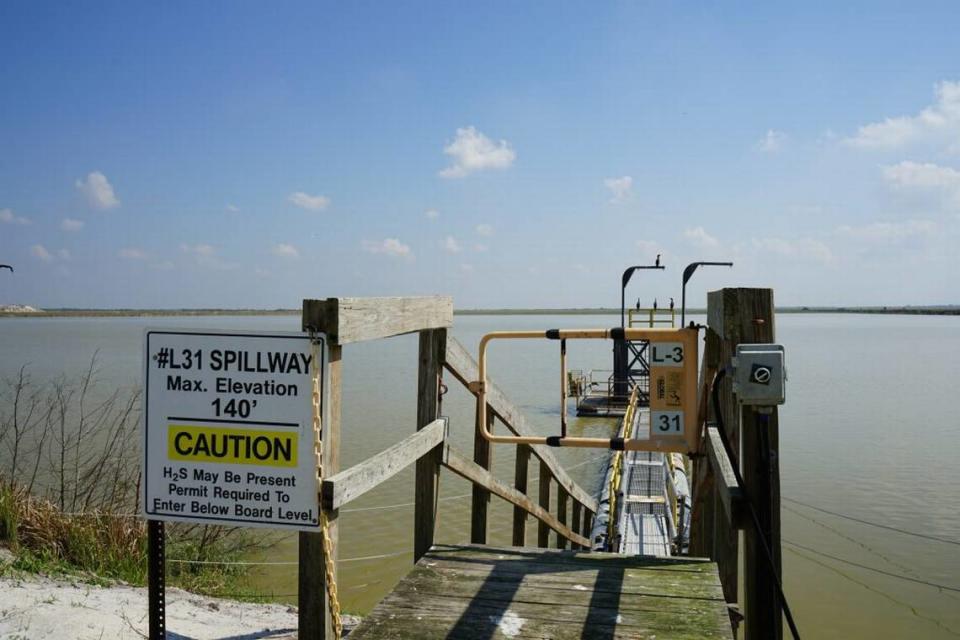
[(627, 444), (613, 491)]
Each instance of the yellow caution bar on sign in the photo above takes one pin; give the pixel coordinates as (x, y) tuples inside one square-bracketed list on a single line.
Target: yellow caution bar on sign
[(192, 443)]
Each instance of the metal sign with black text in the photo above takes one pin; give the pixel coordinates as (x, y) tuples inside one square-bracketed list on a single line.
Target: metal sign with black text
[(228, 432)]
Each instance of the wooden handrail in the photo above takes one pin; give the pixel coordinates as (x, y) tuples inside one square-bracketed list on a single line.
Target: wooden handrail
[(731, 494), (466, 468), (347, 320), (461, 364), (348, 485)]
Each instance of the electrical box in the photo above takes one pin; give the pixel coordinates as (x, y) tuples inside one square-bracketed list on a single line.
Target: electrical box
[(759, 376)]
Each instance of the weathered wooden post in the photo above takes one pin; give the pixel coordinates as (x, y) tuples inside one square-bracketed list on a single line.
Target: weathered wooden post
[(481, 496), (433, 349), (561, 514), (747, 316), (543, 531), (520, 477), (313, 619)]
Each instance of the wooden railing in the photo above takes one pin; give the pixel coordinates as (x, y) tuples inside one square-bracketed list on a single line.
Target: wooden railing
[(349, 320)]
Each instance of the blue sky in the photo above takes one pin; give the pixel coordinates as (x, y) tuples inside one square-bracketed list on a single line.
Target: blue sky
[(508, 154)]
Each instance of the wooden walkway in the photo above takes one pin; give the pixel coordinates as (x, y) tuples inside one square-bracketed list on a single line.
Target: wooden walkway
[(478, 592)]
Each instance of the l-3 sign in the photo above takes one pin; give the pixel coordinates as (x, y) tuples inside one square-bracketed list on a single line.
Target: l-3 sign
[(228, 428)]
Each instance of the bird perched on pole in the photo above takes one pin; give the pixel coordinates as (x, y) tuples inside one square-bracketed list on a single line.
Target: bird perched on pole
[(658, 260)]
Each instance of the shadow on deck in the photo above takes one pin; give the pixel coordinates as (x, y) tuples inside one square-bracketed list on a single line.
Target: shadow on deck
[(479, 592)]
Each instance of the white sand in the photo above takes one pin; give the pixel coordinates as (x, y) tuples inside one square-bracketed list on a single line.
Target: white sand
[(42, 608)]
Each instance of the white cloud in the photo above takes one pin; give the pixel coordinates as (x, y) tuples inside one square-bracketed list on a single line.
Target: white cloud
[(307, 201), (698, 237), (432, 214), (467, 268), (620, 188), (98, 191), (472, 151), (40, 252), (285, 251), (772, 142), (64, 254), (69, 224), (938, 122), (205, 255), (484, 230), (925, 178), (450, 245), (232, 208), (132, 253), (7, 217), (879, 232), (801, 248), (479, 247), (389, 246), (200, 250)]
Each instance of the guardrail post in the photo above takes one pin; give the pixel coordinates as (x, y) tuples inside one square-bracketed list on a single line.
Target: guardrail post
[(575, 516), (520, 477), (314, 622), (481, 496), (561, 514), (433, 348), (543, 531)]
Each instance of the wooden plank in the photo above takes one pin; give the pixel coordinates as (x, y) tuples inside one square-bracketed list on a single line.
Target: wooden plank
[(543, 494), (520, 476), (349, 485), (481, 497), (461, 364), (466, 468), (433, 346), (349, 320), (314, 622), (730, 492), (562, 515), (474, 593)]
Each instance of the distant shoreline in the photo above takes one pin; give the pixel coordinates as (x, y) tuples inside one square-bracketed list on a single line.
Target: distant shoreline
[(945, 310)]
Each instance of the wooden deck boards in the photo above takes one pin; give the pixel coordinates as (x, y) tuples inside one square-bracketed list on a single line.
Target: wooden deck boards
[(478, 592)]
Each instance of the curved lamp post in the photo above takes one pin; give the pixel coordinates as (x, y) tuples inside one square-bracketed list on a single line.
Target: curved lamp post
[(687, 274), (624, 279)]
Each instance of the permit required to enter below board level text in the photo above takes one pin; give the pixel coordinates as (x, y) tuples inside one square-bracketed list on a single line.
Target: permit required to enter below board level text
[(228, 428)]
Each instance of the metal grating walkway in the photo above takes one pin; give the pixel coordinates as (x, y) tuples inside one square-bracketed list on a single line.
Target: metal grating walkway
[(645, 519)]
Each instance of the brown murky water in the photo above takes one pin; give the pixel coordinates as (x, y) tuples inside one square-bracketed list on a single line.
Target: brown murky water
[(870, 429)]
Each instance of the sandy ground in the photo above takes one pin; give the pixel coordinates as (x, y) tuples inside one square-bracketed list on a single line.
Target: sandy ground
[(43, 608)]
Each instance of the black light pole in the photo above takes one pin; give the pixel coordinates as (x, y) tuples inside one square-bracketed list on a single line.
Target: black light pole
[(624, 279), (620, 372), (687, 274)]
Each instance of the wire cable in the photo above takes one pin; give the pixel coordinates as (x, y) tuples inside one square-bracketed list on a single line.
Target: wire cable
[(715, 394), (875, 524), (874, 569)]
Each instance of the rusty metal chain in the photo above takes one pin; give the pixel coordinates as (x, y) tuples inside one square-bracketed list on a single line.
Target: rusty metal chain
[(333, 599)]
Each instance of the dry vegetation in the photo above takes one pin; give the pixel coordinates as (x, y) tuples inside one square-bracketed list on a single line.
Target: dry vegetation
[(69, 488)]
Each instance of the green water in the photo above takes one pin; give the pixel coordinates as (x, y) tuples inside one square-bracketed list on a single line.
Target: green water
[(870, 428)]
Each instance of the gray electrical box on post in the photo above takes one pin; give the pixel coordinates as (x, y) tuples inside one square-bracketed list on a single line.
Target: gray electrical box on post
[(760, 376)]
